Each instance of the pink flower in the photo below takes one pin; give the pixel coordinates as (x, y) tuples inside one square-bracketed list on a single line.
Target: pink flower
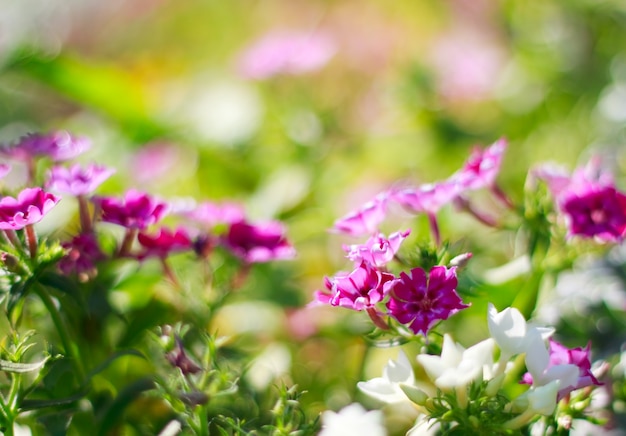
[(29, 208), (164, 242), (423, 300), (83, 252), (4, 169), (427, 198), (136, 210), (561, 355), (258, 242), (481, 168), (361, 289), (378, 250), (58, 146), (77, 180), (211, 214), (286, 53), (366, 219)]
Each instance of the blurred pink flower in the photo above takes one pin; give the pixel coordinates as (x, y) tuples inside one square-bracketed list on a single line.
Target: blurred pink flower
[(427, 198), (76, 180), (28, 208), (359, 290), (164, 242), (83, 252), (258, 242), (153, 161), (561, 355), (378, 250), (366, 219), (58, 146), (421, 300), (4, 169), (286, 53), (211, 214), (136, 210), (481, 168)]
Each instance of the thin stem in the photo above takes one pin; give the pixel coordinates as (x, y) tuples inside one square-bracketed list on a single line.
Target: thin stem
[(68, 345), (127, 243), (13, 239), (434, 228), (31, 239), (83, 211)]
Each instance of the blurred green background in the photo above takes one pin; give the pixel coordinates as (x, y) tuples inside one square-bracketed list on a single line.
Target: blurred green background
[(411, 87)]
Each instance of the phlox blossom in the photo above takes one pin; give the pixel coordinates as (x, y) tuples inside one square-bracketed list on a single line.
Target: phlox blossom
[(261, 242), (58, 146), (378, 250), (387, 388), (482, 167), (420, 300), (366, 219), (77, 180), (353, 420), (427, 198), (136, 210), (164, 242), (82, 254), (29, 207), (360, 289), (211, 214)]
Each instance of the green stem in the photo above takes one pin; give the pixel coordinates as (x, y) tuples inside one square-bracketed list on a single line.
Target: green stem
[(70, 350)]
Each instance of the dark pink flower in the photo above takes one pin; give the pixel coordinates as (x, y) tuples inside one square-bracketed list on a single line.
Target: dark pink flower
[(83, 252), (211, 214), (258, 242), (164, 242), (136, 210), (481, 168), (361, 289), (76, 180), (366, 219), (29, 208), (598, 213), (58, 146), (421, 300), (561, 355), (286, 53), (378, 250)]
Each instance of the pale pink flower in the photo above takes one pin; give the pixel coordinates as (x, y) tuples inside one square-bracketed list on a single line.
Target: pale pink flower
[(29, 207), (77, 180), (481, 168), (366, 219), (378, 250), (211, 214), (427, 198), (58, 146), (286, 53)]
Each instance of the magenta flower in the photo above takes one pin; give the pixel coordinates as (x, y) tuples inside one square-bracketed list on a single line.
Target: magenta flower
[(76, 180), (164, 242), (481, 168), (378, 250), (286, 53), (211, 214), (136, 210), (366, 219), (29, 208), (561, 355), (359, 290), (58, 146), (258, 242), (599, 213), (83, 252), (420, 300)]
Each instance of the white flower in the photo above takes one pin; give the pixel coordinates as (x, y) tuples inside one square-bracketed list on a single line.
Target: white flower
[(542, 399), (424, 427), (511, 332), (538, 361), (353, 420), (387, 388), (457, 367)]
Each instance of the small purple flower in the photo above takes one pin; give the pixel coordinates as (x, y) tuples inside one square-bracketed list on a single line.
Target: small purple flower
[(366, 219), (378, 250), (286, 53), (83, 252), (561, 355), (76, 180), (164, 242), (29, 208), (179, 359), (258, 242), (359, 290), (58, 146), (599, 213), (136, 210), (481, 168), (423, 300)]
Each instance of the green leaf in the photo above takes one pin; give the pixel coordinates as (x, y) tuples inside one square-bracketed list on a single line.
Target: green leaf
[(104, 365), (61, 283), (113, 415), (21, 368), (42, 404)]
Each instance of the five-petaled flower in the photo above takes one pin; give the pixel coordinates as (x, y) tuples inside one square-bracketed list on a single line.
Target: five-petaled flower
[(361, 289), (136, 210), (261, 242), (77, 180), (378, 250), (420, 300), (28, 208), (481, 168)]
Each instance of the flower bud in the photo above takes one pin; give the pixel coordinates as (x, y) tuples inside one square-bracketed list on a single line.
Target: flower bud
[(414, 394)]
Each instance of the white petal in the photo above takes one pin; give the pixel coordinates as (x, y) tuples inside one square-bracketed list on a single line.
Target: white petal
[(537, 356)]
